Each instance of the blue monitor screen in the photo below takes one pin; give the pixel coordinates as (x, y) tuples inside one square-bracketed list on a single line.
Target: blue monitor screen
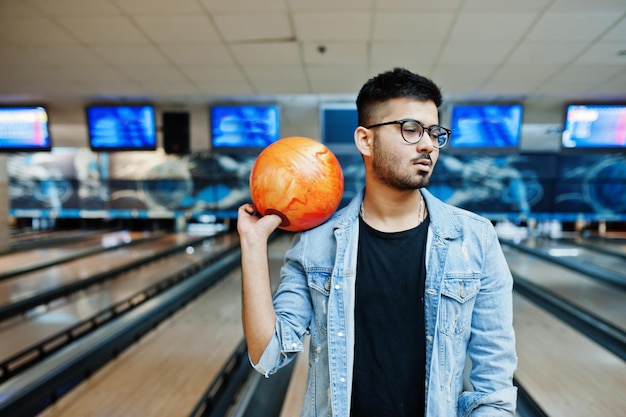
[(24, 129), (120, 127), (601, 127), (244, 126), (486, 126), (337, 124)]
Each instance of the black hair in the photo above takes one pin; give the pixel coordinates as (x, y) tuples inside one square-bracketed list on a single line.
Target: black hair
[(395, 83)]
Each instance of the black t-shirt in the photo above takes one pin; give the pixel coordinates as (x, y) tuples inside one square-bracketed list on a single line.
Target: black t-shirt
[(390, 347)]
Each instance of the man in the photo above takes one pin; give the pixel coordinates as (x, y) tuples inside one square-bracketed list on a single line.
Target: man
[(397, 290)]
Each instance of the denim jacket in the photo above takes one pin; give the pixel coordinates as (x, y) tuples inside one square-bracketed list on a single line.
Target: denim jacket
[(468, 308)]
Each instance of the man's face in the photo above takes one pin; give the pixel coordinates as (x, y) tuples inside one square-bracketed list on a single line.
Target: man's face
[(397, 163)]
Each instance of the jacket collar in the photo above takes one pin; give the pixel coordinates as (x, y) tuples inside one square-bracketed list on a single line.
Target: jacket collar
[(442, 221)]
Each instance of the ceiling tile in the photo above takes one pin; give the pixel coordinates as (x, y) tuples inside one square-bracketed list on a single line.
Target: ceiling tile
[(546, 52), (468, 53), (490, 26), (411, 26), (246, 6), (452, 81), (175, 29), (518, 79), (153, 73), (96, 74), (103, 30), (63, 55), (508, 6), (267, 53), (83, 8), (580, 78), (19, 9), (130, 55), (34, 31), (340, 26), (613, 87), (330, 5), (335, 53), (618, 32), (337, 79), (14, 56), (412, 5), (103, 90), (415, 56), (588, 6), (33, 74), (604, 53), (159, 7), (227, 89), (168, 89), (203, 75), (273, 73), (281, 87), (258, 26), (571, 26), (194, 55)]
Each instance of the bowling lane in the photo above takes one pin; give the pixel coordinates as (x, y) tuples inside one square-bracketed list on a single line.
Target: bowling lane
[(588, 257), (167, 371), (15, 262), (27, 332), (24, 239), (595, 296), (566, 373), (37, 282), (615, 247)]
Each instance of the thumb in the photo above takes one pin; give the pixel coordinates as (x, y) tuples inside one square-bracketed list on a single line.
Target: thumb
[(272, 221)]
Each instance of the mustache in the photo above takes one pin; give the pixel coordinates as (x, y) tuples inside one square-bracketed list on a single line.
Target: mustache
[(421, 157)]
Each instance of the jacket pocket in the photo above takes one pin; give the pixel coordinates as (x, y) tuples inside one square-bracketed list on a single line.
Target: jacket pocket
[(457, 302), (319, 287)]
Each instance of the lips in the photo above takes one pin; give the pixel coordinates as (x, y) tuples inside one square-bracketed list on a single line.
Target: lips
[(423, 164)]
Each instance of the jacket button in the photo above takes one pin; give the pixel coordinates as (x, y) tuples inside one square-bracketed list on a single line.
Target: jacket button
[(462, 293), (327, 285)]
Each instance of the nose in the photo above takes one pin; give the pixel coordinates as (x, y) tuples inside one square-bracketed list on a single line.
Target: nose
[(425, 144)]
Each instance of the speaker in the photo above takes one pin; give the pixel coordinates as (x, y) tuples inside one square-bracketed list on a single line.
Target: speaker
[(176, 132)]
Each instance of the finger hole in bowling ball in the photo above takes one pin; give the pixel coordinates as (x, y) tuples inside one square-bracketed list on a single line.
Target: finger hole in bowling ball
[(285, 220)]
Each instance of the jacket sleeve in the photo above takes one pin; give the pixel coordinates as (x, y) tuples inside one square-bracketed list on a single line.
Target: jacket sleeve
[(491, 347), (292, 302)]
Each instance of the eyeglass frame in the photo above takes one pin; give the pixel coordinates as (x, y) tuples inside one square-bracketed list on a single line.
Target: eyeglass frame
[(401, 122)]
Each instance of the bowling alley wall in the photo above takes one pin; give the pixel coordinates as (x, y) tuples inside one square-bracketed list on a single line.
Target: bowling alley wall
[(536, 180)]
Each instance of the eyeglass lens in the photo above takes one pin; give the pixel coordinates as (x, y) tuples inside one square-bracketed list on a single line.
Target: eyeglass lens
[(412, 132)]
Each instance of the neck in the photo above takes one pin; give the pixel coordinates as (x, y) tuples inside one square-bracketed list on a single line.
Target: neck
[(394, 214)]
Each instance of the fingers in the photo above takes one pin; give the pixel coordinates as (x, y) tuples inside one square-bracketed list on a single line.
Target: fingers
[(248, 211)]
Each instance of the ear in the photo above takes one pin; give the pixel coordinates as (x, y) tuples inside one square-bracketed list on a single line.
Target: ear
[(363, 140)]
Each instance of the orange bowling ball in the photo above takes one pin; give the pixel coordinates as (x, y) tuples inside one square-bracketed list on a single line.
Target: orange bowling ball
[(300, 180)]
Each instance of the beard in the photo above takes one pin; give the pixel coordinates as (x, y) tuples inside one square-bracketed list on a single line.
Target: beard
[(388, 168)]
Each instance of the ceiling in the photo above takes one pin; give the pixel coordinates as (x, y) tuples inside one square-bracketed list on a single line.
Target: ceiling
[(190, 51)]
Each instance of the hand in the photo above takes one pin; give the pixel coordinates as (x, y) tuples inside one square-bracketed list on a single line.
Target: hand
[(253, 228)]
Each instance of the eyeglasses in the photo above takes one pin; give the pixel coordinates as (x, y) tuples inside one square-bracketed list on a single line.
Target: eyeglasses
[(413, 130)]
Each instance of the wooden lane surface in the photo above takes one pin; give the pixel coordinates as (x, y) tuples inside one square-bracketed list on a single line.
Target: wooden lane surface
[(19, 238), (565, 372), (30, 284), (584, 256), (166, 372), (592, 295), (14, 260), (27, 331)]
